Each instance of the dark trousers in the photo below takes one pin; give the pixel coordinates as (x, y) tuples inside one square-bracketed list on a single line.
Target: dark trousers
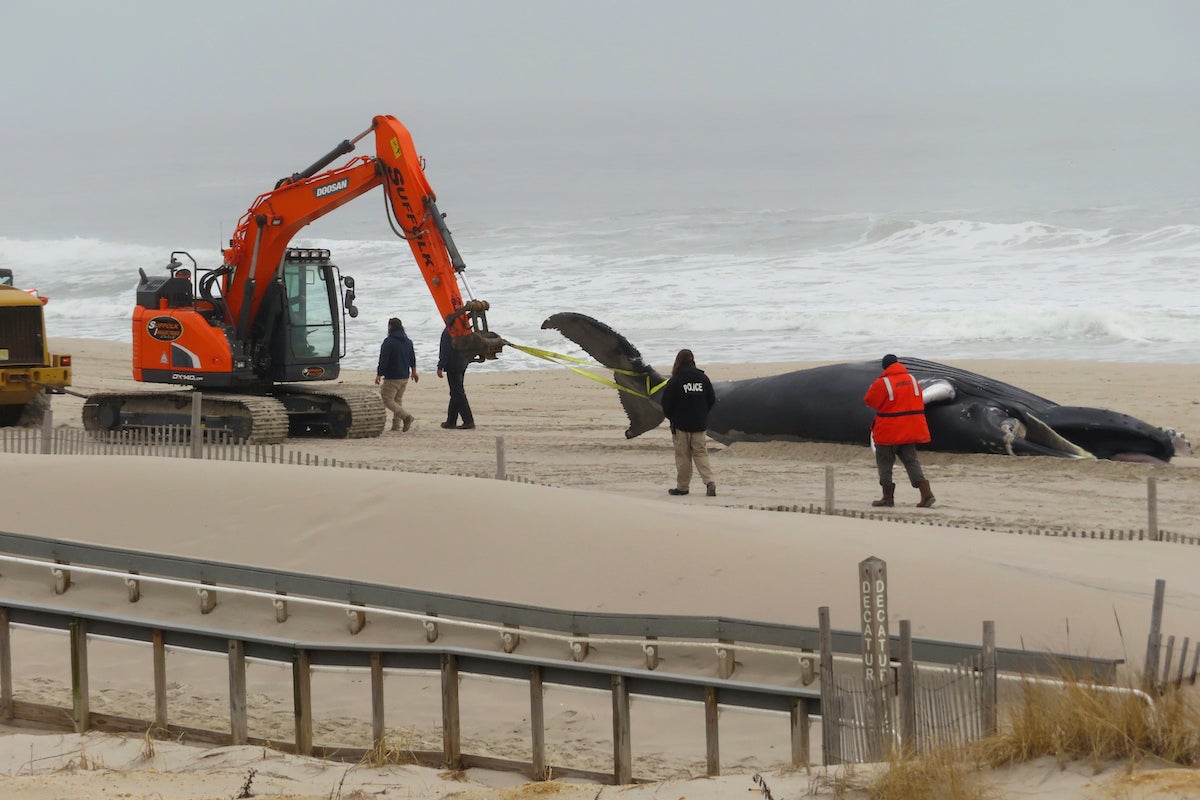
[(885, 457), (458, 400)]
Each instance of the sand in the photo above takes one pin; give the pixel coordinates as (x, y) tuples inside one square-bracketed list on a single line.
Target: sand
[(593, 529)]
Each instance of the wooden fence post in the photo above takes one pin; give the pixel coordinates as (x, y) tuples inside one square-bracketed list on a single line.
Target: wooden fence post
[(712, 739), (239, 729), (537, 723), (302, 702), (47, 432), (377, 706), (451, 722), (622, 748), (801, 753), (1154, 640), (6, 690), (1152, 508), (828, 489), (160, 679), (501, 463), (831, 745), (988, 665), (79, 674), (908, 692), (197, 433)]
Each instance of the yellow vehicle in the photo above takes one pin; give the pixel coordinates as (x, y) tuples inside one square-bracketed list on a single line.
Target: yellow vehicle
[(28, 372)]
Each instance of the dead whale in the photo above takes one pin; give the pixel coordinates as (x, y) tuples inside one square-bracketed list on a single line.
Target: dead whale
[(967, 413)]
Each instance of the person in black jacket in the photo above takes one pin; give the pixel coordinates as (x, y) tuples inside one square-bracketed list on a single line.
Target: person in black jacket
[(397, 363), (453, 364), (686, 400)]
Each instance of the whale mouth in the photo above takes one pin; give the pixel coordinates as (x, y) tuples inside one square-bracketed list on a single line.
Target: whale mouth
[(1032, 436)]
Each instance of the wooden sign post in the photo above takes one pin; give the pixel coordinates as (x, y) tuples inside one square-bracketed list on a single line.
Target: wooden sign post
[(872, 574)]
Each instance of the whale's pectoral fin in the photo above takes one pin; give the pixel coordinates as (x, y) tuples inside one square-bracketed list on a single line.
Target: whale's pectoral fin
[(615, 352)]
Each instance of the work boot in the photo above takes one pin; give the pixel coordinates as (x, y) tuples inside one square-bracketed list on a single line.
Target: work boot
[(927, 497), (889, 496), (677, 492), (407, 424), (712, 488), (396, 423)]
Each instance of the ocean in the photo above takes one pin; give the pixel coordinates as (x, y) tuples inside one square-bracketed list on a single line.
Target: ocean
[(1110, 284), (1057, 232)]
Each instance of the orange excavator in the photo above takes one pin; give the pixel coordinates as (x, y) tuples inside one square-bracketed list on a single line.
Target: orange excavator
[(259, 334)]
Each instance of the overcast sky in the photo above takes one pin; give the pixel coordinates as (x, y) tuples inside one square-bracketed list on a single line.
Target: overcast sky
[(98, 92)]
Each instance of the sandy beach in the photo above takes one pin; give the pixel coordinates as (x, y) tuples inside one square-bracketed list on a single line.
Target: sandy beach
[(590, 526)]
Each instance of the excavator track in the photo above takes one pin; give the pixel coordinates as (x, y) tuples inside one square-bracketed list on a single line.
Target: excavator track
[(250, 418), (361, 407)]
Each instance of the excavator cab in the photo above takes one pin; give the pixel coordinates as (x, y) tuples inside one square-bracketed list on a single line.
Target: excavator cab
[(298, 336)]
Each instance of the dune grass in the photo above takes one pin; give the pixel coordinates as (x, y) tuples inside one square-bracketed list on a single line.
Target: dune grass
[(1071, 721)]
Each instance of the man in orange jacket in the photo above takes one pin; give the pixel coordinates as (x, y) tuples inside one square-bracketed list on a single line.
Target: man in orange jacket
[(898, 428)]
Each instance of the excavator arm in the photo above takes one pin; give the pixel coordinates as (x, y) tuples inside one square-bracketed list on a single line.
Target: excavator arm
[(274, 218)]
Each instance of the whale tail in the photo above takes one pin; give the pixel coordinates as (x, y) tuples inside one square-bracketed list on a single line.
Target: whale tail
[(615, 352)]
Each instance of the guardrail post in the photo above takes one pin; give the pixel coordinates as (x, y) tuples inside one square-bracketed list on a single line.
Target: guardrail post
[(509, 639), (431, 628), (579, 649), (801, 726), (622, 750), (302, 702), (712, 744), (281, 606), (651, 651), (725, 659), (377, 707), (451, 722), (238, 727), (537, 723), (160, 679), (357, 620), (79, 674), (6, 690), (62, 578), (208, 596)]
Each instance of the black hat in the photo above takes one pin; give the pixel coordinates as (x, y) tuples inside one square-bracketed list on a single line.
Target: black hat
[(888, 360)]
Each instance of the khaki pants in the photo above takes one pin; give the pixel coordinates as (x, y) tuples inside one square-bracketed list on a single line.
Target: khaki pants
[(691, 448), (392, 392)]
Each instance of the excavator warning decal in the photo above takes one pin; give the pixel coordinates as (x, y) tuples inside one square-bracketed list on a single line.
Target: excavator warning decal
[(395, 143), (164, 329)]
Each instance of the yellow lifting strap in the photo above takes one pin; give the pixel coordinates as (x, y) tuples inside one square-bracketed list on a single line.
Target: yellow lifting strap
[(567, 361)]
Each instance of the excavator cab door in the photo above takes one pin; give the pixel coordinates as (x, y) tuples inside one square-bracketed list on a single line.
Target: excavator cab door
[(308, 341)]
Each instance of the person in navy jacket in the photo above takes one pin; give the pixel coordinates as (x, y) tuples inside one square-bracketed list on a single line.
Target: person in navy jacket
[(686, 400)]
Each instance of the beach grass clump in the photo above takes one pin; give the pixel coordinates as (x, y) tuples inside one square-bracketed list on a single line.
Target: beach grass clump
[(391, 751), (1079, 721), (944, 774)]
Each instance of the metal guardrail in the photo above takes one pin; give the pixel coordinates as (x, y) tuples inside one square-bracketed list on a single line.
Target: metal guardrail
[(800, 705), (652, 628)]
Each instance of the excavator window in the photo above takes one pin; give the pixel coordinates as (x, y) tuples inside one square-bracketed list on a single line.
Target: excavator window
[(310, 310)]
